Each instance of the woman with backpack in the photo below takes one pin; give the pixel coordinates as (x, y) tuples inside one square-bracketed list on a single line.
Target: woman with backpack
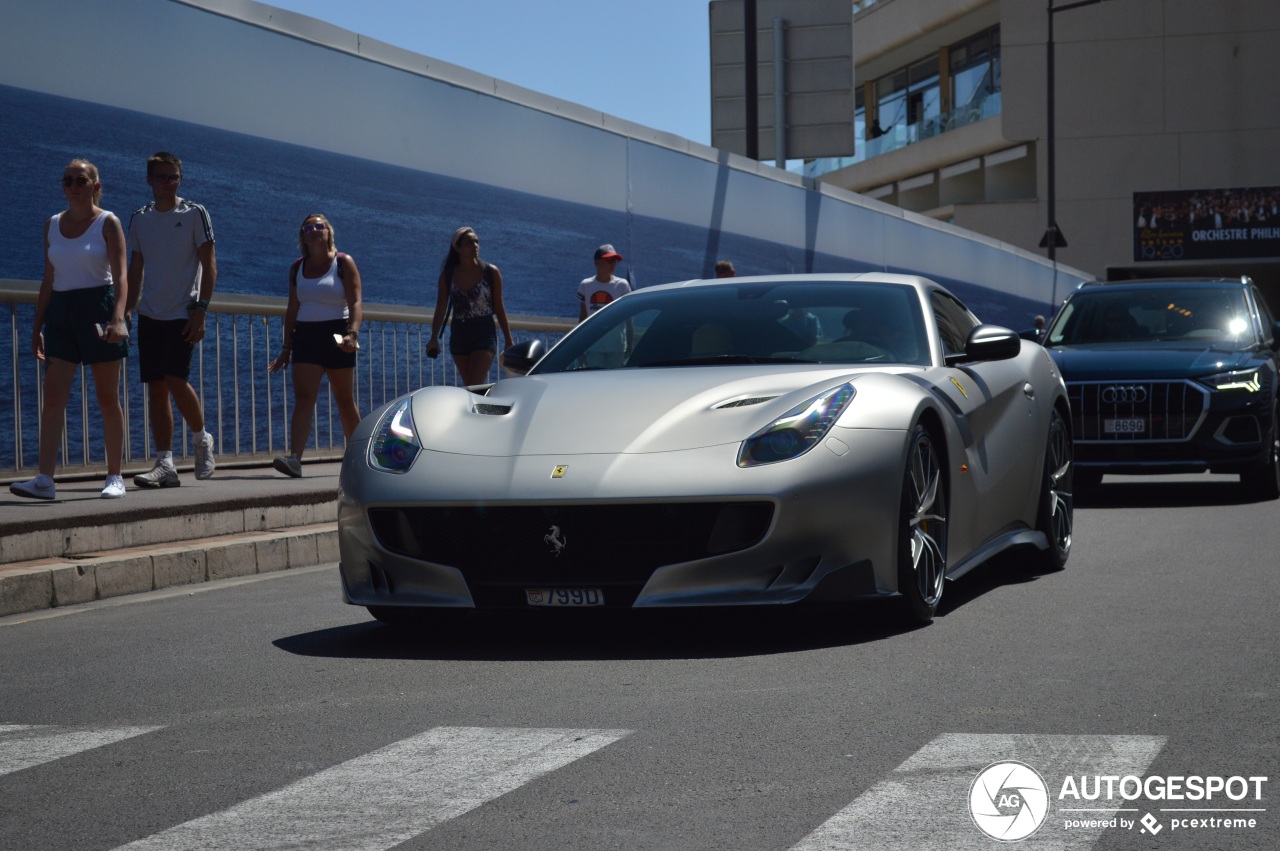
[(321, 335)]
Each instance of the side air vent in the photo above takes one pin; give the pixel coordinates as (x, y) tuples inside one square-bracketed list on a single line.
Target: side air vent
[(492, 410), (741, 403)]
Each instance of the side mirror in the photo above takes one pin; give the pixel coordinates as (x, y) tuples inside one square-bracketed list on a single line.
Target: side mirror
[(520, 358), (988, 342)]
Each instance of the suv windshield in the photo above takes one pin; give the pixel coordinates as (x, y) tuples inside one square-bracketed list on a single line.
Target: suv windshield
[(1102, 315), (811, 322)]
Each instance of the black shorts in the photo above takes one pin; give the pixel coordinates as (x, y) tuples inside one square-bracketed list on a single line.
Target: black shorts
[(161, 350), (69, 334), (472, 335), (313, 343)]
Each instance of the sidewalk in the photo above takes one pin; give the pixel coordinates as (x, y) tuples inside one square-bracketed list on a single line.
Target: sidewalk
[(80, 547)]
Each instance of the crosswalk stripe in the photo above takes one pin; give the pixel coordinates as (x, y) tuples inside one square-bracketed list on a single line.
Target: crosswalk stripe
[(383, 798), (22, 746), (924, 804)]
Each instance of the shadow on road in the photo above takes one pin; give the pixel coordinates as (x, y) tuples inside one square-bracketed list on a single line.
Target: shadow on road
[(1013, 567), (644, 634), (1162, 493), (604, 635)]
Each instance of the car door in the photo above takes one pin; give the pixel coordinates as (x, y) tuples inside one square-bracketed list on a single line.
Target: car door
[(1000, 428)]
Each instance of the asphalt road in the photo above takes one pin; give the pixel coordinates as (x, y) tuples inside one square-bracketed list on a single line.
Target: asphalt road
[(266, 714)]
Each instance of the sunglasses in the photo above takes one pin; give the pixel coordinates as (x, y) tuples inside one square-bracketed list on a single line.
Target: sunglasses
[(167, 178), (81, 180), (319, 226)]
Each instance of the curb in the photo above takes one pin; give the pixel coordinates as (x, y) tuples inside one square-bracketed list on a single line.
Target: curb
[(36, 585)]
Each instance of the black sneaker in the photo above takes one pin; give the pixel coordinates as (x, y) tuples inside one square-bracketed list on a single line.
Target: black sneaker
[(289, 465)]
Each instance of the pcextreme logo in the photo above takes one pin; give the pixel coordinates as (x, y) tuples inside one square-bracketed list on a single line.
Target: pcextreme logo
[(1009, 801)]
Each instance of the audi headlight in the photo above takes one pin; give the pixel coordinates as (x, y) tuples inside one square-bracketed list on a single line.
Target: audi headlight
[(395, 444), (1244, 379), (798, 430)]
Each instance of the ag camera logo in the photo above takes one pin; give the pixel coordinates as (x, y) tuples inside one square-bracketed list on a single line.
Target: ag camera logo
[(1008, 801)]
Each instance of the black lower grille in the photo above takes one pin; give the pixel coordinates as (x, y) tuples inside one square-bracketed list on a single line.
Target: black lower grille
[(1129, 411), (619, 544)]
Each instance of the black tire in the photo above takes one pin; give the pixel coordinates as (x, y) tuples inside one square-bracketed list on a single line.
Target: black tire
[(1263, 483), (922, 529), (1056, 515)]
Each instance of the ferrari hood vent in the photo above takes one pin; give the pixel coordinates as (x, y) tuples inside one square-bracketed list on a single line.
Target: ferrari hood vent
[(492, 410), (742, 403)]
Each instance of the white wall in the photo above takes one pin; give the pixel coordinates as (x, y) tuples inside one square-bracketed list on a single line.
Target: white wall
[(247, 67)]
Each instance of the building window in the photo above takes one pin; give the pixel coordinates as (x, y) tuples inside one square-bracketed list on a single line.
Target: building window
[(906, 105), (975, 79)]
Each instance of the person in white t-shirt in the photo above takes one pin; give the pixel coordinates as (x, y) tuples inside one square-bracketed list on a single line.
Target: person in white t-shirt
[(172, 271), (596, 292)]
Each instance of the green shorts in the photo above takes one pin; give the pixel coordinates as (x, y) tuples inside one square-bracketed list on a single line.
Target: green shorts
[(69, 334)]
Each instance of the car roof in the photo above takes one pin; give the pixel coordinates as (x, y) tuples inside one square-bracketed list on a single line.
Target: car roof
[(1168, 283), (807, 278)]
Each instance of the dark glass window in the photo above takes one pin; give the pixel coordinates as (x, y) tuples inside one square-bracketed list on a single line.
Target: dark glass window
[(954, 322)]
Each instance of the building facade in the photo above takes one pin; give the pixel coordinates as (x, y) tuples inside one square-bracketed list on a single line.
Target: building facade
[(1166, 135)]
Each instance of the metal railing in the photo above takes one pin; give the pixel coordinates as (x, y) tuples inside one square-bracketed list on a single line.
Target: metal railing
[(246, 408)]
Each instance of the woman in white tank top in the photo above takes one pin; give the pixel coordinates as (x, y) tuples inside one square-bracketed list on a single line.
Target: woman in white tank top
[(84, 288), (321, 335)]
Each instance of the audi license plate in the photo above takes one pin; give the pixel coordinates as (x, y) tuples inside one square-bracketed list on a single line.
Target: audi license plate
[(1133, 425), (564, 596)]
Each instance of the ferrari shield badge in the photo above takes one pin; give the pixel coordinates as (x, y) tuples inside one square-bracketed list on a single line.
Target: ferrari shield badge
[(960, 387), (559, 471)]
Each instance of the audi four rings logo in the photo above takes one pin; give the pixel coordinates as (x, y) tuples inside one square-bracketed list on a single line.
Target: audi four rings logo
[(1124, 393)]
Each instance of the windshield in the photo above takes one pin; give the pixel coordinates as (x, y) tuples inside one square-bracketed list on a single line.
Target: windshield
[(1203, 314), (809, 322)]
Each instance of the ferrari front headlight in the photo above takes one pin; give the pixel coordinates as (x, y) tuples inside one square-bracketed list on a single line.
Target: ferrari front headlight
[(798, 430), (394, 444), (1245, 379)]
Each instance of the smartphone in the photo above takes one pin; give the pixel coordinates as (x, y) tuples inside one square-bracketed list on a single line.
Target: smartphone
[(337, 339), (101, 330)]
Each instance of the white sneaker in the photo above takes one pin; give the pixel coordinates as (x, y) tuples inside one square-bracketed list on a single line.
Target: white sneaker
[(114, 488), (41, 487), (204, 456), (162, 475)]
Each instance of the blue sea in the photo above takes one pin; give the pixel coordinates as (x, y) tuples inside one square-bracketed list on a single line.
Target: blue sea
[(395, 222)]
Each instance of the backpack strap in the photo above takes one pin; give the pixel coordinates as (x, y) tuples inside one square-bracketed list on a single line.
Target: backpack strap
[(297, 264)]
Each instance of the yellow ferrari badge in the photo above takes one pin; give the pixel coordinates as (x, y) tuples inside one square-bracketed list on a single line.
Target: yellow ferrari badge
[(960, 387), (558, 472)]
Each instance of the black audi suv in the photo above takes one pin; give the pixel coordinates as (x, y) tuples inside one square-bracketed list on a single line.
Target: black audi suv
[(1171, 376)]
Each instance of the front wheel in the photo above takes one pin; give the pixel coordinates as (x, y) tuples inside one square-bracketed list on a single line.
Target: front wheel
[(922, 529), (1055, 517), (1263, 483)]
